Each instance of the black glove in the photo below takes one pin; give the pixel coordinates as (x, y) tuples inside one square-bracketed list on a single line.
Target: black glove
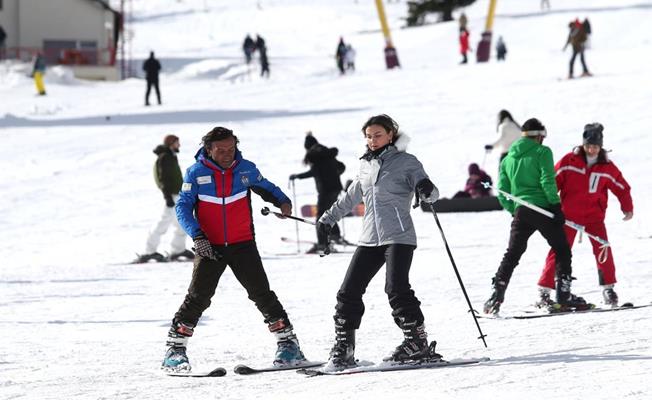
[(424, 189), (324, 229), (203, 247), (488, 147), (558, 214), (168, 200), (293, 177)]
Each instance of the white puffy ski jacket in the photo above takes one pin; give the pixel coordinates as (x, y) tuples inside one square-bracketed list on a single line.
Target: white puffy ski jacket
[(386, 186)]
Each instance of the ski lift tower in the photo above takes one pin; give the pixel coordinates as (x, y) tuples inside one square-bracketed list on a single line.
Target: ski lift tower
[(126, 35), (391, 56), (484, 47)]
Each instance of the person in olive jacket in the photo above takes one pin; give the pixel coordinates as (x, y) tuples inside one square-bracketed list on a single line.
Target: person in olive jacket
[(169, 179), (387, 181), (326, 170), (528, 172)]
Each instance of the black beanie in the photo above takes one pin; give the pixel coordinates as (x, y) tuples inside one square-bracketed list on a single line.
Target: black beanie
[(310, 141), (593, 134), (533, 127)]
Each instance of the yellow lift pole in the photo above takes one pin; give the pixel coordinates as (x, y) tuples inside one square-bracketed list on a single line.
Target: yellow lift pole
[(484, 47), (391, 56)]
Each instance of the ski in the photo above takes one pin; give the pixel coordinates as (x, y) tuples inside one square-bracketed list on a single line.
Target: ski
[(217, 372), (387, 367), (246, 370), (531, 314)]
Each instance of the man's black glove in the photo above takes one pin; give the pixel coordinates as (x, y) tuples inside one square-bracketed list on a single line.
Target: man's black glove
[(203, 247), (324, 229), (488, 147), (168, 200), (558, 214), (425, 190)]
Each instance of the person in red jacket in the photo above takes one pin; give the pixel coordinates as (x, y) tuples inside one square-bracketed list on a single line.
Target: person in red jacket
[(464, 44), (584, 177)]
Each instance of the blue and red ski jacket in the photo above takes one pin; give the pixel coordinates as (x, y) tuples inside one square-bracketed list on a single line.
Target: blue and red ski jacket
[(217, 201)]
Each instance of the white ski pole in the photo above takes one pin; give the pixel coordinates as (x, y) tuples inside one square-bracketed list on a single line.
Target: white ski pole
[(580, 228)]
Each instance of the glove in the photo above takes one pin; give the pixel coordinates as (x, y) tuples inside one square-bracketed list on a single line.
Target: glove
[(558, 215), (203, 247), (293, 177), (168, 200), (488, 147), (324, 229), (425, 189)]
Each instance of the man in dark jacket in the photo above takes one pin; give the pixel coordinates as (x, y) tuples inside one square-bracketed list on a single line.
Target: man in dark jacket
[(326, 170), (152, 67), (167, 175), (528, 172), (3, 37)]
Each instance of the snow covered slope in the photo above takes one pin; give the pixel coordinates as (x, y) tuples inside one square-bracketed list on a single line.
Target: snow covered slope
[(78, 199)]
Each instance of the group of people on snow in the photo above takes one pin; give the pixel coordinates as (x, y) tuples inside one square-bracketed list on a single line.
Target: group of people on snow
[(345, 57), (213, 206), (250, 47)]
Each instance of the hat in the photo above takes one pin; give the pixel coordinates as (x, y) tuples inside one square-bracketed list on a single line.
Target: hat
[(310, 140), (593, 134), (170, 139), (533, 127)]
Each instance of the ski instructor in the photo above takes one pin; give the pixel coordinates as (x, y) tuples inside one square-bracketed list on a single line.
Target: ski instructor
[(214, 209), (387, 181)]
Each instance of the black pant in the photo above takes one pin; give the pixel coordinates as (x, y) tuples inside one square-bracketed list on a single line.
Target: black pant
[(366, 262), (572, 62), (245, 262), (151, 83), (324, 202), (524, 224)]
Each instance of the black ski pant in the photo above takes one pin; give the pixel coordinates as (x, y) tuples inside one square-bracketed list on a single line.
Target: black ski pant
[(245, 262), (366, 262), (572, 62), (524, 224), (154, 83), (324, 202)]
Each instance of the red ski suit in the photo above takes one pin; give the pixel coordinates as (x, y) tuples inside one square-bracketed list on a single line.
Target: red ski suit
[(583, 191), (464, 41)]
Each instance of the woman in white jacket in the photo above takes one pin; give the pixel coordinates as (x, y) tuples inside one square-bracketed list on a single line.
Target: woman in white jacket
[(509, 132), (387, 181)]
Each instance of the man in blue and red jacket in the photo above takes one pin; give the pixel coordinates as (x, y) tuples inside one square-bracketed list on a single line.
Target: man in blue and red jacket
[(214, 208)]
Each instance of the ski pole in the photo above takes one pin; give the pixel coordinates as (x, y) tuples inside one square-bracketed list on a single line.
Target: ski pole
[(457, 273), (580, 228), (266, 211), (296, 223)]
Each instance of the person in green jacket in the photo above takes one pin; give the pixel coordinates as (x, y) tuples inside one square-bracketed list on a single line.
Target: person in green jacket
[(528, 172)]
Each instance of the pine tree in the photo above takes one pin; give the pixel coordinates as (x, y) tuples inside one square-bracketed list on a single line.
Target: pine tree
[(417, 10)]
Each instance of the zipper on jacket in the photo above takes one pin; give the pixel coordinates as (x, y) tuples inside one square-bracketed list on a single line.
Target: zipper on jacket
[(226, 242), (399, 219), (373, 201)]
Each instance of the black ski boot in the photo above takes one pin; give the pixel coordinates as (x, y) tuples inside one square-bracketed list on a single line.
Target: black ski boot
[(175, 359), (343, 353), (544, 298), (143, 258), (565, 299), (492, 306), (184, 255), (415, 344)]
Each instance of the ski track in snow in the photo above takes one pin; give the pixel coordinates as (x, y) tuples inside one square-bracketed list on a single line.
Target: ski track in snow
[(78, 199)]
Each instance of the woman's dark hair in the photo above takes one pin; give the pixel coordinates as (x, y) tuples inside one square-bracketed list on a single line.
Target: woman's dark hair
[(383, 120), (217, 133), (602, 154), (502, 115)]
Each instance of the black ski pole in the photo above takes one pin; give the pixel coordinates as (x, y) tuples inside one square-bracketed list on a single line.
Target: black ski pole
[(457, 273), (266, 211)]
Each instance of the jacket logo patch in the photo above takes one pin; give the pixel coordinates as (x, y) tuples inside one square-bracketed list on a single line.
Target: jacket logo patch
[(259, 178), (186, 187), (245, 180), (202, 180)]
